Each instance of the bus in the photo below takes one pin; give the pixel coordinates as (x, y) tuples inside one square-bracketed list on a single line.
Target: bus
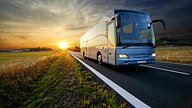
[(121, 37)]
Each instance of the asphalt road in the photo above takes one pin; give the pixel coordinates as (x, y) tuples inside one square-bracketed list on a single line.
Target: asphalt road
[(159, 85)]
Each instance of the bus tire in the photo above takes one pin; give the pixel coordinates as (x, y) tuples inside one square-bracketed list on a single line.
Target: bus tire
[(84, 55), (99, 58)]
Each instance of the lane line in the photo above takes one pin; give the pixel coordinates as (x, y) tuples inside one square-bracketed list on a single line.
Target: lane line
[(174, 63), (173, 71), (126, 95)]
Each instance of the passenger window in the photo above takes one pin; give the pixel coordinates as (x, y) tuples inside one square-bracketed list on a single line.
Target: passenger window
[(111, 33)]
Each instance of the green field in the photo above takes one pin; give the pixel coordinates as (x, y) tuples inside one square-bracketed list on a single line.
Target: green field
[(174, 54), (22, 58)]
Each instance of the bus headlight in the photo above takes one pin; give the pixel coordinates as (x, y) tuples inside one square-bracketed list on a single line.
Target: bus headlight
[(123, 56), (153, 55)]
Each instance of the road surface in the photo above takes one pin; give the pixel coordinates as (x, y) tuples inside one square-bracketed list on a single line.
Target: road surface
[(159, 85)]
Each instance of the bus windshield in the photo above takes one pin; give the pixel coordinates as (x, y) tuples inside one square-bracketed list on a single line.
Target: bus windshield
[(134, 29)]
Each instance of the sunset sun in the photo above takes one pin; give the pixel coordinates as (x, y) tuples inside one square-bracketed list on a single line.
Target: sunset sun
[(63, 45)]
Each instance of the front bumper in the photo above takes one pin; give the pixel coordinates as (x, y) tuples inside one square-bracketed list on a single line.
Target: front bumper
[(134, 61)]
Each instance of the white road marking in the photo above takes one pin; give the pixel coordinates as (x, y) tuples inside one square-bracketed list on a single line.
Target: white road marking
[(174, 63), (126, 95), (173, 71)]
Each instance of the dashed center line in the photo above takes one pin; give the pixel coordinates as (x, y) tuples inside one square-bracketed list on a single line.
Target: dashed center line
[(168, 70)]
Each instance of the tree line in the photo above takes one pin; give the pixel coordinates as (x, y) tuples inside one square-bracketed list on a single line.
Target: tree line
[(170, 41)]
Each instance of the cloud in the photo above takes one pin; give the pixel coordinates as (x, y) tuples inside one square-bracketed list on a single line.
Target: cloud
[(48, 21)]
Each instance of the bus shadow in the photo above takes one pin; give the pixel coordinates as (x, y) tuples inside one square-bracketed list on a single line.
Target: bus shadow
[(131, 69)]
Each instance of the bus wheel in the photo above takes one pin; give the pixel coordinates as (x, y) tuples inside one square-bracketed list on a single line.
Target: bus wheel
[(99, 58), (84, 55)]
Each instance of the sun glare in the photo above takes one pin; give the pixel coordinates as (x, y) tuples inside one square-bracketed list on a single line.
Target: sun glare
[(63, 45)]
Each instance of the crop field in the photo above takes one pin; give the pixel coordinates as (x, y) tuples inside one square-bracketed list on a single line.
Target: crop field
[(22, 59), (174, 54)]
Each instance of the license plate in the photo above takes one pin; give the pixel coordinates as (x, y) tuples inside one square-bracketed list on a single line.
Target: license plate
[(141, 61)]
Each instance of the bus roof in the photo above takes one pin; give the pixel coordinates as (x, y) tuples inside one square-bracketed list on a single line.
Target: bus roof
[(127, 10)]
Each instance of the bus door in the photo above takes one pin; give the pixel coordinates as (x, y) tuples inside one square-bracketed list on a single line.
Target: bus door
[(111, 43)]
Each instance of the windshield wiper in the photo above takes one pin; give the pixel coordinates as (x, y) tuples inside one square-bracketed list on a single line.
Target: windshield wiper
[(142, 44)]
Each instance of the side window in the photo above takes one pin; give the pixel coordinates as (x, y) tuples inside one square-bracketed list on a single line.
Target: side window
[(111, 33)]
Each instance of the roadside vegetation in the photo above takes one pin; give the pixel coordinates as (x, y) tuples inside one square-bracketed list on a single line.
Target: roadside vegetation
[(17, 83), (58, 81)]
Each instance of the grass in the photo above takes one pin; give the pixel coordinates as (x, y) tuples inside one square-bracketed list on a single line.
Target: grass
[(17, 83), (59, 81), (174, 54)]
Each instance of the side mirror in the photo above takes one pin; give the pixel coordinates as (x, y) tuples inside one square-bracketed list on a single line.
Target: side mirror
[(117, 20), (154, 21)]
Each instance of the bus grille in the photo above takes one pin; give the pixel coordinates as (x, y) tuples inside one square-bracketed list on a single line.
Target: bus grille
[(138, 56)]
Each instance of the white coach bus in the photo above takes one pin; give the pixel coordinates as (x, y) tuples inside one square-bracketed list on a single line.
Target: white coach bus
[(122, 37)]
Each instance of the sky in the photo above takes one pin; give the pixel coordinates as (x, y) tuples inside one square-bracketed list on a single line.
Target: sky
[(45, 23)]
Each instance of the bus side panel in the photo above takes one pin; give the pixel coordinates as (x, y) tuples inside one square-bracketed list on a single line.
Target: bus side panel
[(100, 46), (101, 42), (95, 40), (95, 45)]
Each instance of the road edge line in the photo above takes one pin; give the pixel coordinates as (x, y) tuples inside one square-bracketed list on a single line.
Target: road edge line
[(126, 95)]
